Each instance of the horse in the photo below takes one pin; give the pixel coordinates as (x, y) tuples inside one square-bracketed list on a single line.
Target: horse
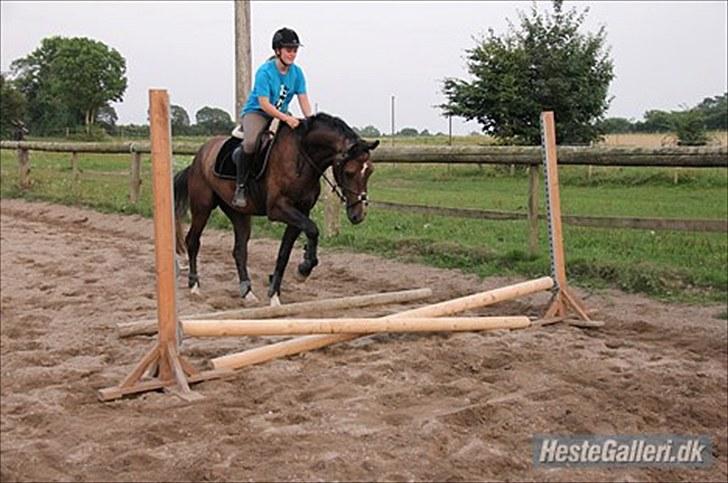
[(285, 191)]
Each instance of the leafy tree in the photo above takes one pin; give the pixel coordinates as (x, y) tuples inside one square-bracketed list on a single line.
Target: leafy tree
[(179, 119), (715, 111), (612, 125), (67, 81), (12, 107), (425, 132), (545, 63), (370, 132), (214, 120), (408, 132), (655, 121)]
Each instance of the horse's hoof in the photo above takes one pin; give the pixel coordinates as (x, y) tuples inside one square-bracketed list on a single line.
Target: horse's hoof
[(299, 277), (250, 298), (275, 301), (195, 289), (245, 287)]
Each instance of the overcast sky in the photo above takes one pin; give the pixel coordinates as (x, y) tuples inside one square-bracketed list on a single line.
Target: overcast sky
[(357, 55)]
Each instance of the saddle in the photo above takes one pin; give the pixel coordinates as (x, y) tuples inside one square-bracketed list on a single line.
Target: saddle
[(224, 165)]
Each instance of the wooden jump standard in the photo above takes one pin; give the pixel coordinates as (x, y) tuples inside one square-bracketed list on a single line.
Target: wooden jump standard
[(149, 326), (564, 298), (169, 370)]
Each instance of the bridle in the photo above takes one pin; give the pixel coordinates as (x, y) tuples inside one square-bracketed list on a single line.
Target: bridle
[(338, 160)]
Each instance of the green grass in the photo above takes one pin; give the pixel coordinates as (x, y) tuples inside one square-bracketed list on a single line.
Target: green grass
[(673, 266), (643, 192)]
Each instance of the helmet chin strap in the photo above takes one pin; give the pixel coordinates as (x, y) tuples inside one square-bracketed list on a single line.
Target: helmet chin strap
[(280, 57)]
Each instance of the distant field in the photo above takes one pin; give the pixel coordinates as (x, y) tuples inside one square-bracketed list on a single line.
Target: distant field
[(656, 140), (668, 265)]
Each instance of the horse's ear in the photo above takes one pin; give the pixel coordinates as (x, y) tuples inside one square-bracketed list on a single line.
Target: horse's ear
[(371, 146)]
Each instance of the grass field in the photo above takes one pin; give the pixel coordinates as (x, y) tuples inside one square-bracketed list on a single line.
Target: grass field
[(676, 266)]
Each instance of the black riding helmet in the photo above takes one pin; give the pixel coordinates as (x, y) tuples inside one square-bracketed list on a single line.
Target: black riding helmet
[(285, 37)]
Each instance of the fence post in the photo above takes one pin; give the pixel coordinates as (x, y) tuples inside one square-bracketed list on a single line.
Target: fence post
[(533, 186), (332, 210), (74, 167), (23, 169), (135, 181)]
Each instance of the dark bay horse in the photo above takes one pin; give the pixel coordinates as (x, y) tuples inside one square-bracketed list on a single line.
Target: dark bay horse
[(286, 192)]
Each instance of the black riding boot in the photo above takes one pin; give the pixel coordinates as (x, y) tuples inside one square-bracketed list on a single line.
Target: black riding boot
[(242, 173)]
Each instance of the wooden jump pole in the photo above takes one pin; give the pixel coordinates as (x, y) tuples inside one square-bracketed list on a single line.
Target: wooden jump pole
[(564, 298), (149, 326), (449, 307), (223, 328), (168, 369)]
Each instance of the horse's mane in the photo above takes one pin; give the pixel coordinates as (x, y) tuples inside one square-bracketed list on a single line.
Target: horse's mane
[(334, 123)]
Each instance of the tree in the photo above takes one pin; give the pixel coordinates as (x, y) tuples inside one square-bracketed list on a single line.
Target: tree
[(408, 132), (67, 80), (544, 64), (425, 132), (12, 107), (179, 119), (370, 132), (612, 125), (655, 121), (715, 111), (214, 120)]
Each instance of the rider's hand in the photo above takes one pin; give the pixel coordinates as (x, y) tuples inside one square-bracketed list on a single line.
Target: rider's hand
[(293, 122)]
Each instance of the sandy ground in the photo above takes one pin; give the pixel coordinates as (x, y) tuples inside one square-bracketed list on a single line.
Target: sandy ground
[(386, 407)]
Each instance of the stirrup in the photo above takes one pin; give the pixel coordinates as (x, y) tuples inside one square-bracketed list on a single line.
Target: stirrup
[(239, 198)]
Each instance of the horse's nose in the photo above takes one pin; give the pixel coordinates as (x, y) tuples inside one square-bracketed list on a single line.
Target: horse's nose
[(356, 218)]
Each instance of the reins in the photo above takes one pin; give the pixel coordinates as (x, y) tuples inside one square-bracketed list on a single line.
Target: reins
[(335, 188)]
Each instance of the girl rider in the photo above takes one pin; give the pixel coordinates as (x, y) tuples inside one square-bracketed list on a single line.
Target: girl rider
[(276, 82)]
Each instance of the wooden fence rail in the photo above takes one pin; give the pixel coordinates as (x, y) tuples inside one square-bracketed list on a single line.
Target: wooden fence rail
[(673, 157), (684, 157)]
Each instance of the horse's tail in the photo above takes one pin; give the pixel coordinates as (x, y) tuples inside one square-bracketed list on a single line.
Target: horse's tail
[(181, 205)]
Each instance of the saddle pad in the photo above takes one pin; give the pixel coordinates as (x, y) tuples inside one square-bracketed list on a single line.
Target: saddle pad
[(224, 166)]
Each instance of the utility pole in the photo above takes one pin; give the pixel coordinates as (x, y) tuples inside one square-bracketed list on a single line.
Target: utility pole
[(243, 66), (449, 122), (392, 120)]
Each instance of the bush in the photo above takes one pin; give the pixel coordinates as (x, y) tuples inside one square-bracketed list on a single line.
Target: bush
[(93, 134), (690, 128)]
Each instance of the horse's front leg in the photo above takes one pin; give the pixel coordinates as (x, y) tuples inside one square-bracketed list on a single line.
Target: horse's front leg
[(284, 254), (299, 221)]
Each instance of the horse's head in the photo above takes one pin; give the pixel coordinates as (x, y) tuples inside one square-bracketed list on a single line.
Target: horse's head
[(352, 168), (349, 156)]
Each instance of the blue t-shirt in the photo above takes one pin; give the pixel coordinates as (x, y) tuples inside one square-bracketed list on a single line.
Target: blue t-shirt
[(278, 88)]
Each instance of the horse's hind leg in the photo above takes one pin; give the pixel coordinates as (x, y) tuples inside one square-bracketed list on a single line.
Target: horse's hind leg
[(202, 202), (241, 228)]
